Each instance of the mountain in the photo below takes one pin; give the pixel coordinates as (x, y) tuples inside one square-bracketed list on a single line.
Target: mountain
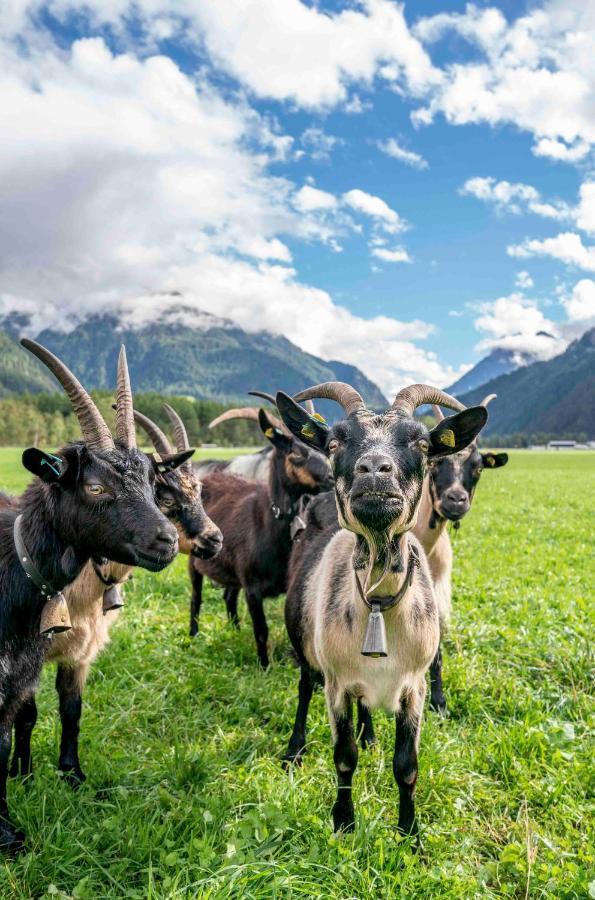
[(499, 362), (19, 371), (555, 397), (190, 352)]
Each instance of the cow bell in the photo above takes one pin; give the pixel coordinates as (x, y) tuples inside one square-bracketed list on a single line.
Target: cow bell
[(375, 640), (112, 599), (55, 617)]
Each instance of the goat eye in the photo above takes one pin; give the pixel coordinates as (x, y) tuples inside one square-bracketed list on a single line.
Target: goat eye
[(423, 445), (95, 489), (167, 501), (332, 446)]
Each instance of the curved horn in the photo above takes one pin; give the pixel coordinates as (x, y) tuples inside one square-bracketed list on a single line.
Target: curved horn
[(96, 434), (245, 412), (180, 433), (408, 399), (157, 437), (488, 399), (438, 414), (342, 393), (125, 431), (250, 413), (264, 396)]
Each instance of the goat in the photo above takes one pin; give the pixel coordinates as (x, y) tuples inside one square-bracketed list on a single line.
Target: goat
[(94, 598), (248, 465), (92, 499), (256, 521), (360, 610)]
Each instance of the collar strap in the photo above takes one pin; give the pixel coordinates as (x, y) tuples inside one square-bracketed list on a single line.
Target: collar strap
[(31, 571), (54, 615), (108, 582), (382, 604)]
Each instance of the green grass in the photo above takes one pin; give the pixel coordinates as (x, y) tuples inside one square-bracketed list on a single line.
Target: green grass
[(181, 739)]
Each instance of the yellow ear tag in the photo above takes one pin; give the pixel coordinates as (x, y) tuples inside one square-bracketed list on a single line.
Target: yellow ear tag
[(447, 437), (269, 433), (490, 461), (307, 431), (319, 418)]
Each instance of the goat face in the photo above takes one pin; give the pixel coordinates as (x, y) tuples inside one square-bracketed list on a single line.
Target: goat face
[(104, 504), (179, 496), (301, 469), (453, 480), (379, 461)]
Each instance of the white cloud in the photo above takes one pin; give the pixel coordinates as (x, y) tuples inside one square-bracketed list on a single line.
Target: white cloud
[(309, 198), (580, 304), (397, 255), (516, 323), (585, 212), (560, 151), (317, 144), (392, 148), (566, 247), (523, 281), (375, 207), (515, 198), (537, 73)]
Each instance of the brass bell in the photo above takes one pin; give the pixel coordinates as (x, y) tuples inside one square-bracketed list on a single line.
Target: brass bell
[(55, 617), (375, 639)]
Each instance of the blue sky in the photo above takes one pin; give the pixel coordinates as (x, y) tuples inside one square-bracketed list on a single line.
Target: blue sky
[(401, 188)]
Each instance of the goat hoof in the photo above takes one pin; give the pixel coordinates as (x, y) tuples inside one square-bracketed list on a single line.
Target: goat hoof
[(73, 776), (368, 741), (292, 759), (343, 818), (440, 707), (11, 841), (20, 768)]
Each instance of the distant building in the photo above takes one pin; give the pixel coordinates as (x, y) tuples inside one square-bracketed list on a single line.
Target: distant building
[(561, 445)]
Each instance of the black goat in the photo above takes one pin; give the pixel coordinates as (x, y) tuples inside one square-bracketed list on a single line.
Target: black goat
[(93, 499), (256, 522)]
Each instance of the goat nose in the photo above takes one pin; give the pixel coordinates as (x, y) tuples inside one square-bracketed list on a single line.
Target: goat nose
[(166, 537), (374, 464), (456, 496)]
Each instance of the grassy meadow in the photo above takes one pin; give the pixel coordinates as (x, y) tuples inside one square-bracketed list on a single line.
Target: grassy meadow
[(181, 738)]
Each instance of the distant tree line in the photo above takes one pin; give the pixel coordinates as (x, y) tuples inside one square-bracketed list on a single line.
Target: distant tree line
[(47, 419)]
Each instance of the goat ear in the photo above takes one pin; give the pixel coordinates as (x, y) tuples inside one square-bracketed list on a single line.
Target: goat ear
[(47, 466), (494, 460), (309, 429), (172, 461), (456, 432), (271, 432)]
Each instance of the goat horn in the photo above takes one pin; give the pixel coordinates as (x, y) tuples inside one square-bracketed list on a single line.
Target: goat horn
[(438, 414), (264, 396), (158, 439), (96, 434), (180, 433), (250, 413), (488, 399), (342, 393), (125, 431), (408, 399)]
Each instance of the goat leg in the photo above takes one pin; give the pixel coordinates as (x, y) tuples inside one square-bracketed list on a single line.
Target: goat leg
[(24, 724), (231, 603), (437, 698), (69, 684), (11, 841), (365, 726), (195, 597), (407, 729), (345, 755), (297, 742), (261, 629)]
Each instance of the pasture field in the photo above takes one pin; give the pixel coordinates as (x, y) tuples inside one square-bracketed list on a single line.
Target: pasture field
[(181, 738)]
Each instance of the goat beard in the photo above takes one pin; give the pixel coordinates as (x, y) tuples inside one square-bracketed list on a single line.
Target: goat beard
[(373, 551)]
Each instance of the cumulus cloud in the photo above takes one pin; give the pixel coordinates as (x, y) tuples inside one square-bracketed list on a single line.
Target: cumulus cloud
[(566, 247), (580, 303), (515, 198), (516, 323), (536, 72), (392, 148), (375, 207), (396, 255), (317, 144), (523, 280), (309, 198)]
